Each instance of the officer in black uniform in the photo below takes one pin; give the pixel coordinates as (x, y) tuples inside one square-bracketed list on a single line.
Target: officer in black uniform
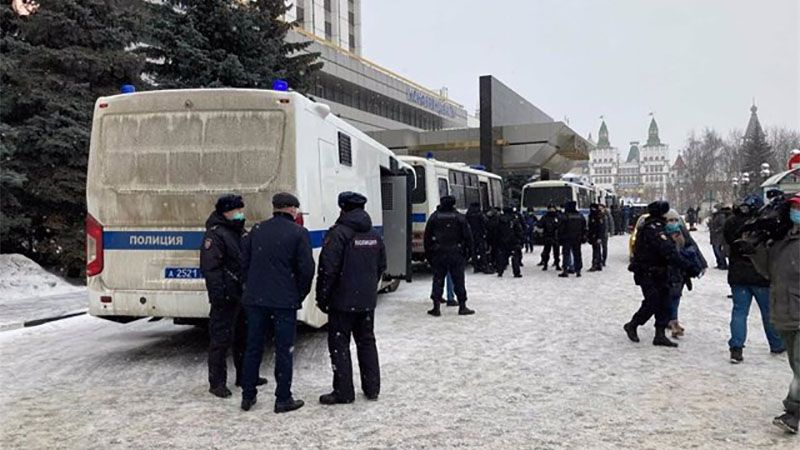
[(477, 224), (653, 253), (448, 244), (596, 232), (509, 241), (572, 234), (351, 264), (550, 223), (219, 262)]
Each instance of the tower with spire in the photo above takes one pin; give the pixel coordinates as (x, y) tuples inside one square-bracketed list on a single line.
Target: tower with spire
[(755, 148), (654, 162), (604, 160)]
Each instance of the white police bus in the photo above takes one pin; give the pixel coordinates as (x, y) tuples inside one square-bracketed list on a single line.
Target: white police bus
[(536, 196), (158, 160), (435, 179)]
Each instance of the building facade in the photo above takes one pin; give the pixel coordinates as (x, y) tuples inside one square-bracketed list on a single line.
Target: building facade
[(644, 174), (369, 96)]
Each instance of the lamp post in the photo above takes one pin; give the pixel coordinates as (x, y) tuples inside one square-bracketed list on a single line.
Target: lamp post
[(735, 181), (744, 180)]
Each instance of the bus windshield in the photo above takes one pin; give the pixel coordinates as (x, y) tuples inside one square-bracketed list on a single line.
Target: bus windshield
[(540, 197)]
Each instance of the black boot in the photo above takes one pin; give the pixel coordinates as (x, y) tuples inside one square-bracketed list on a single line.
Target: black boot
[(248, 403), (436, 311), (563, 275), (221, 391), (661, 339), (630, 329), (558, 266), (332, 399), (544, 267), (463, 310), (289, 406)]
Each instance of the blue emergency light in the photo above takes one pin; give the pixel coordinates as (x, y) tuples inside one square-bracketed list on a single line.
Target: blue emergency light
[(429, 155), (127, 89), (478, 167), (280, 85)]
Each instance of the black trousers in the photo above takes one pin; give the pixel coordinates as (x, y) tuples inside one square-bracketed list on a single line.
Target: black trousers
[(572, 249), (597, 254), (480, 261), (655, 303), (513, 253), (361, 326), (548, 246), (605, 249), (226, 330), (443, 263)]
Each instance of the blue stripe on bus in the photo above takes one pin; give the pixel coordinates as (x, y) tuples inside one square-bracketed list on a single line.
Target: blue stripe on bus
[(177, 240), (418, 218)]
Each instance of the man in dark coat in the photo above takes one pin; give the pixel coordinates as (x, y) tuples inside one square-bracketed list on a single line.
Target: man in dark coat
[(626, 218), (220, 264), (716, 227), (572, 234), (509, 242), (278, 268), (746, 283), (595, 233), (448, 245), (616, 215), (492, 219), (653, 255), (351, 264), (477, 223), (550, 223)]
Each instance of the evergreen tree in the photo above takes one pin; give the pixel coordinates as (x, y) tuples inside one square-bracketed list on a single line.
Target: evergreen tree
[(216, 43), (55, 64), (755, 151)]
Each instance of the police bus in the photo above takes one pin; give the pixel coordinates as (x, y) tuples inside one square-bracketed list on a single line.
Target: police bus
[(435, 179), (536, 196), (158, 161)]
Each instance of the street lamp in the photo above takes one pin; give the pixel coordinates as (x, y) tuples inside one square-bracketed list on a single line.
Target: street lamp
[(765, 170), (735, 181), (744, 180)]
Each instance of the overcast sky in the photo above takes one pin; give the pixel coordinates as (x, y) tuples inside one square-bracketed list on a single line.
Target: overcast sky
[(694, 63)]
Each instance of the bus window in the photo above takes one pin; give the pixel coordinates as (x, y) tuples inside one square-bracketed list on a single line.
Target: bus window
[(457, 188), (484, 196), (585, 198), (418, 194), (497, 193), (473, 194), (540, 197), (443, 190)]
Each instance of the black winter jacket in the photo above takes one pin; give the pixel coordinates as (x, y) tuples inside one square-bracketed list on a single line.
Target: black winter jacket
[(654, 253), (740, 268), (573, 229), (447, 232), (550, 224), (477, 223), (352, 261), (597, 226), (220, 259), (277, 263), (509, 232)]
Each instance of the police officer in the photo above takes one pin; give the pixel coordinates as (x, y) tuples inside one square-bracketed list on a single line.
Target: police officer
[(278, 268), (572, 234), (550, 224), (477, 223), (219, 261), (448, 244), (351, 264), (653, 254), (596, 232), (509, 240)]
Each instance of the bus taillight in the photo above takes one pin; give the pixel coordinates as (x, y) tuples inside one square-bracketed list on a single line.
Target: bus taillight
[(94, 246)]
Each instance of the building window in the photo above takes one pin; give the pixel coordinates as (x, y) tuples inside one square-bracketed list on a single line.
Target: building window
[(327, 5), (301, 15), (328, 31)]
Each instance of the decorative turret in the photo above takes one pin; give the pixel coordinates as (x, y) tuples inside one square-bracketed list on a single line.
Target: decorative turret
[(652, 134), (633, 153), (602, 137), (754, 126)]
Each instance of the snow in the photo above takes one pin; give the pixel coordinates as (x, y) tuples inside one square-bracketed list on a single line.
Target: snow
[(543, 364), (28, 292), (22, 278)]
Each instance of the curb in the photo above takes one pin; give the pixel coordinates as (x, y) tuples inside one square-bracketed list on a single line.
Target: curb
[(36, 322)]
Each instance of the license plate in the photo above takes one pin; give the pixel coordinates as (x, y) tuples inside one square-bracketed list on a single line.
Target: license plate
[(183, 272)]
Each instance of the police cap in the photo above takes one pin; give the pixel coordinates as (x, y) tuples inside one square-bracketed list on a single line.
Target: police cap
[(285, 200), (349, 201)]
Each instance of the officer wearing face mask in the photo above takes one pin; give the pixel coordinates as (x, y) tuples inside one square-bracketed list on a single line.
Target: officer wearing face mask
[(219, 261)]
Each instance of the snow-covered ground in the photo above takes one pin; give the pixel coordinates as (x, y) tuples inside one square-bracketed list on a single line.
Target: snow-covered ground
[(28, 292), (543, 364)]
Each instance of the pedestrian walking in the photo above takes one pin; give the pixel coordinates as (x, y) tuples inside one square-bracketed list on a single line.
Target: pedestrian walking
[(653, 255), (571, 235), (678, 277), (278, 269), (351, 264), (779, 261), (716, 225), (746, 283), (550, 224), (448, 245), (221, 267), (509, 240), (595, 232)]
